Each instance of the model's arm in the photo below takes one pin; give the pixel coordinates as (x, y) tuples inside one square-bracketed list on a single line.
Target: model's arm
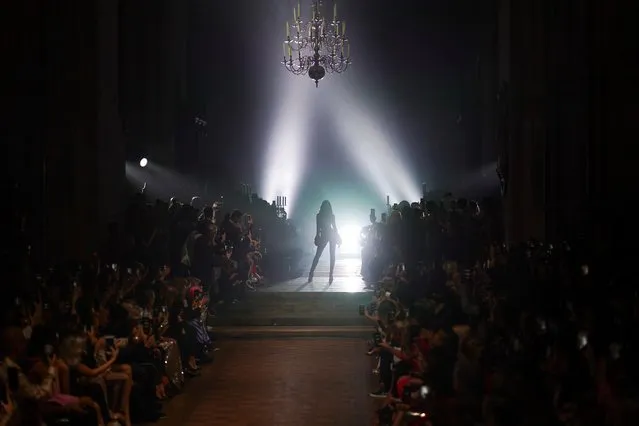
[(317, 225), (334, 225)]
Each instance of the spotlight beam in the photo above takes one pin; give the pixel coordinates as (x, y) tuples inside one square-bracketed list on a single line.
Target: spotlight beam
[(287, 144), (381, 164)]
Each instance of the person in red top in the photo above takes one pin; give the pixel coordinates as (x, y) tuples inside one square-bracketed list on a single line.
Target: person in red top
[(414, 353)]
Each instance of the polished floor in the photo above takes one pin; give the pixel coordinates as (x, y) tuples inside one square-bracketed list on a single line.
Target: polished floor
[(346, 277), (287, 376), (280, 381)]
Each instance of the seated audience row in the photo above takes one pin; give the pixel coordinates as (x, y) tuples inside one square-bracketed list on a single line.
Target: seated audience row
[(106, 341), (485, 334)]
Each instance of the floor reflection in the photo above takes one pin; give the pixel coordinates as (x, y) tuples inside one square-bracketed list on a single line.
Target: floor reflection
[(346, 277)]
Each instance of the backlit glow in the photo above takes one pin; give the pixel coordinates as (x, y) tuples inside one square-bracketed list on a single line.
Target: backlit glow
[(350, 235)]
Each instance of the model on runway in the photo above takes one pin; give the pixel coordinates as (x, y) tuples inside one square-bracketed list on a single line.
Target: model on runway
[(326, 234)]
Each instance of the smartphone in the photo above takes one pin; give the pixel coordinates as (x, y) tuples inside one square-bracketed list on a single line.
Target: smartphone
[(582, 340), (109, 341), (361, 309), (18, 302), (114, 266), (48, 350), (424, 391)]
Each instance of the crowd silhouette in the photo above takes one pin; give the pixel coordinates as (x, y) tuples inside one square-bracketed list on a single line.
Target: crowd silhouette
[(469, 330)]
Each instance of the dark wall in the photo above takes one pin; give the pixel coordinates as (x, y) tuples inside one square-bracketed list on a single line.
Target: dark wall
[(61, 125), (572, 116)]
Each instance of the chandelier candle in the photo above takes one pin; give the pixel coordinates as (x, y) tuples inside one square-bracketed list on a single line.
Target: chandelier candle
[(317, 43)]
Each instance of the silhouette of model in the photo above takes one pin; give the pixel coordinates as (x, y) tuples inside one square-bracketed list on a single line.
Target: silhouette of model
[(326, 234)]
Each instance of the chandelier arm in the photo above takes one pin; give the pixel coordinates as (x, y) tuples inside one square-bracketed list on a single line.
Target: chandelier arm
[(316, 47)]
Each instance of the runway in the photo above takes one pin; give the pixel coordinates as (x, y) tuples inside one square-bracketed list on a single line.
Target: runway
[(346, 276)]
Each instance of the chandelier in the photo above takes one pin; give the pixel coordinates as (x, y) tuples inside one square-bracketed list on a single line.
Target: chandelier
[(318, 46)]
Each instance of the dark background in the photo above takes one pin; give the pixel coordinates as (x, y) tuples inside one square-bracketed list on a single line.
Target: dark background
[(546, 88)]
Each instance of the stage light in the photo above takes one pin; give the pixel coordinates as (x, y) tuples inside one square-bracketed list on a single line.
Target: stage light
[(143, 162)]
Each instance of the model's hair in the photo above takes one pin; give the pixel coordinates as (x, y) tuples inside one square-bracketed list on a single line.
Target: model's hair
[(325, 209)]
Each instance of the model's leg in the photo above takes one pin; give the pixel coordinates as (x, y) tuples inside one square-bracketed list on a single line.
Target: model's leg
[(332, 254), (318, 254)]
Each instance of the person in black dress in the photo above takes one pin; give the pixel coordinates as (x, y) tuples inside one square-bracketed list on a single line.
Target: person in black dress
[(326, 234)]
